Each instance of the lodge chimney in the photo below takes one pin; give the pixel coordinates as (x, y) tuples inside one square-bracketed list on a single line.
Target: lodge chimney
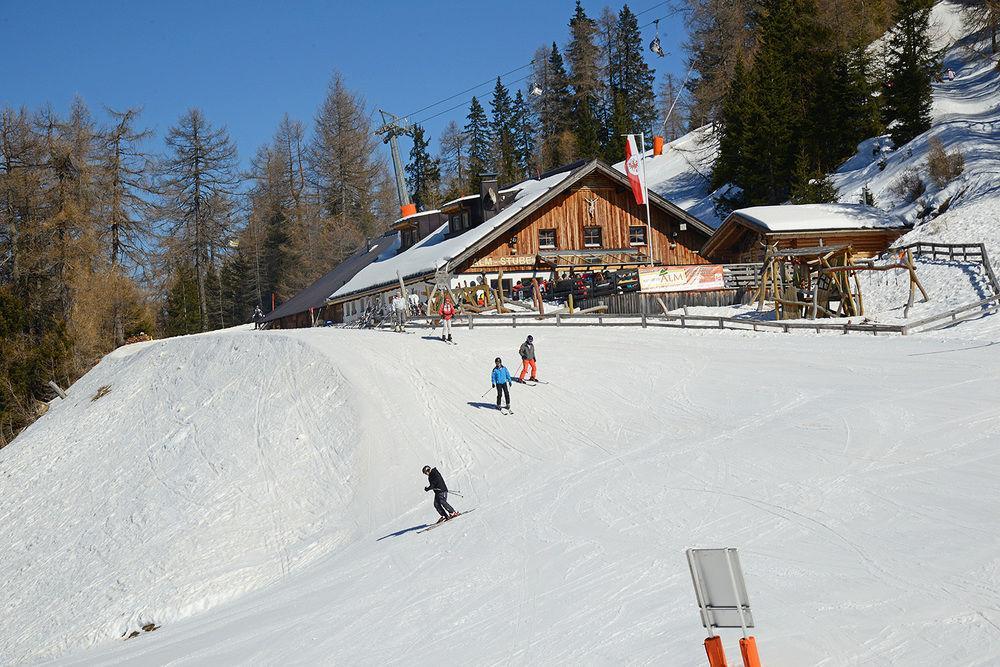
[(489, 195)]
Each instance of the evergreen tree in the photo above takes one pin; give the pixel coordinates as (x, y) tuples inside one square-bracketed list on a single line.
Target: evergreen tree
[(423, 173), (583, 55), (633, 102), (478, 132), (502, 133), (555, 107), (182, 314), (811, 185), (911, 63), (524, 138)]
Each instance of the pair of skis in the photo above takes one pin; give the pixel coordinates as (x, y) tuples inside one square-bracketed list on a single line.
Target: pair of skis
[(441, 523)]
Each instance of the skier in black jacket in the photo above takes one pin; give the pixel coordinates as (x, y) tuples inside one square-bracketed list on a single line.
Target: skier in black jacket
[(436, 484)]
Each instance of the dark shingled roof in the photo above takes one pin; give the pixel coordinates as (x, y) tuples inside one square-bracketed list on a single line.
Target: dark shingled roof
[(315, 295)]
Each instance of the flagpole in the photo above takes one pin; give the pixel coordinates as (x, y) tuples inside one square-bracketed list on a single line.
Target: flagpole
[(645, 195)]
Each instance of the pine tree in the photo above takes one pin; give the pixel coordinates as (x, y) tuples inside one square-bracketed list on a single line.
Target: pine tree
[(633, 102), (911, 63), (182, 314), (423, 173), (554, 111), (583, 56), (502, 130), (480, 143), (524, 138)]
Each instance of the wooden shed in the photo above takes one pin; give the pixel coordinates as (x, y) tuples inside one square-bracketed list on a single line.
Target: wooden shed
[(746, 233)]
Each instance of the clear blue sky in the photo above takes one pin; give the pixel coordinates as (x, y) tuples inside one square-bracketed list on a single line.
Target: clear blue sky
[(247, 63)]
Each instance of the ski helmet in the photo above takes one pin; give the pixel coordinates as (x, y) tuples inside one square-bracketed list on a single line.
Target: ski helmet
[(497, 361), (426, 469)]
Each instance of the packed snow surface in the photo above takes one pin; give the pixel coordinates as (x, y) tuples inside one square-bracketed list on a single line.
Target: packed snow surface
[(816, 217), (437, 249), (258, 494)]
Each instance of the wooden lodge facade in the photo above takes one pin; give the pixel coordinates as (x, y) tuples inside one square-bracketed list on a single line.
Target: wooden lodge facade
[(578, 219)]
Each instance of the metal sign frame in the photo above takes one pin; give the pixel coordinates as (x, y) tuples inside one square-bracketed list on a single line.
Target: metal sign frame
[(720, 589)]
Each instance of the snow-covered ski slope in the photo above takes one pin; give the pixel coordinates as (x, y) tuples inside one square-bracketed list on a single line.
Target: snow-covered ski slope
[(257, 495)]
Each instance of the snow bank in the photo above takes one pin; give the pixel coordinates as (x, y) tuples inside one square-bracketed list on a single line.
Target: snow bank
[(215, 465)]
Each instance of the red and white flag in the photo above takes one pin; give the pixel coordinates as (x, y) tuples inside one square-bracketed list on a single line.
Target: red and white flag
[(633, 169)]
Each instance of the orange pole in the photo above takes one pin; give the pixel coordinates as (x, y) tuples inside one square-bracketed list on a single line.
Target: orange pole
[(748, 649), (716, 654)]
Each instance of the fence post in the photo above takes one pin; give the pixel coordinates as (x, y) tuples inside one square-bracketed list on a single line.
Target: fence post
[(558, 319), (644, 320), (472, 323), (600, 320), (513, 319)]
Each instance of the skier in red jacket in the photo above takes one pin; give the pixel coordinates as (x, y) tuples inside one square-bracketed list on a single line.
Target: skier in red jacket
[(447, 311)]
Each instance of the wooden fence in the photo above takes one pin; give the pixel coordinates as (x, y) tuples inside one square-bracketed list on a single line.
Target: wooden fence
[(646, 311)]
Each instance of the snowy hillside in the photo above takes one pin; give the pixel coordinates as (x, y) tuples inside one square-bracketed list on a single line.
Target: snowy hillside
[(966, 117), (255, 495)]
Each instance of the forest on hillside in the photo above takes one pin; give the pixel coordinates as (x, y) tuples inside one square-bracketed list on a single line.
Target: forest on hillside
[(110, 234)]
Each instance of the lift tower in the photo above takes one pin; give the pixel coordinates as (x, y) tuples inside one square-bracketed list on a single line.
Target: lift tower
[(392, 128)]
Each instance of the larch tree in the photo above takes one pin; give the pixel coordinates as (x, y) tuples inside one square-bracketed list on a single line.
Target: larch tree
[(583, 56), (198, 176), (454, 160), (344, 165)]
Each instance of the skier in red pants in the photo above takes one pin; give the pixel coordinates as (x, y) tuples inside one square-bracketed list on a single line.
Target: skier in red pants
[(527, 352)]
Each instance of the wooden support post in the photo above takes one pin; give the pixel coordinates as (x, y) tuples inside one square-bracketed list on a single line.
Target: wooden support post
[(644, 320), (56, 388), (570, 303)]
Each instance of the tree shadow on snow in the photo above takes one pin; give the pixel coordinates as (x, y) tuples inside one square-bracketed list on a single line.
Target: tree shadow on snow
[(403, 532), (483, 406)]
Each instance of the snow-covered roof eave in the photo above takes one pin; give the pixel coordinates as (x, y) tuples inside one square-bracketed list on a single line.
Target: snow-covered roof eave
[(818, 218)]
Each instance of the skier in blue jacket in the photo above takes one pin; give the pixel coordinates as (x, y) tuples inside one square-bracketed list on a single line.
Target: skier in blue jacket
[(501, 380)]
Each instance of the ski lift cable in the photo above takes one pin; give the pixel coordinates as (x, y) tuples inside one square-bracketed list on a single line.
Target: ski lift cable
[(651, 8), (463, 103), (469, 90), (677, 96)]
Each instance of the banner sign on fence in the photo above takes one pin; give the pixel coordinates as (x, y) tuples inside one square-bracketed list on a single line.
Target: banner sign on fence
[(654, 279)]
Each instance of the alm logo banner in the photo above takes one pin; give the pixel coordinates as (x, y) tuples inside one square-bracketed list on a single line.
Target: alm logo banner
[(658, 279)]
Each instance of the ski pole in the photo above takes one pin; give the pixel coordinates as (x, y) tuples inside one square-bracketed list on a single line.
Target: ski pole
[(486, 392), (453, 493)]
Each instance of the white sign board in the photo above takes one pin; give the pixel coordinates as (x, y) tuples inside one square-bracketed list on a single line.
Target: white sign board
[(720, 589)]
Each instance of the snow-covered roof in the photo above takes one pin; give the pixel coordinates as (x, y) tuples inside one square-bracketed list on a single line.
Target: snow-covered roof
[(418, 214), (817, 217), (438, 249), (459, 200)]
